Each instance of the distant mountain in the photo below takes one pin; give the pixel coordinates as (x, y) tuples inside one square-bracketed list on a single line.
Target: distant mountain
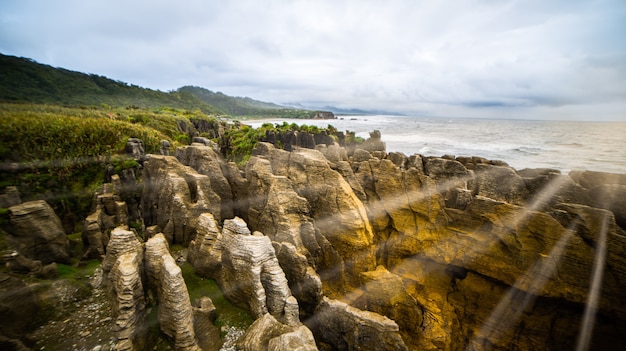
[(245, 106), (356, 111), (234, 105), (24, 80)]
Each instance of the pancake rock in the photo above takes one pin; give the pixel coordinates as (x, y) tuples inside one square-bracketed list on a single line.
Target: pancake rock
[(339, 214), (174, 196), (10, 197), (404, 205), (122, 269), (206, 161), (205, 251), (268, 334), (175, 313), (343, 327), (387, 295), (280, 213), (128, 304), (110, 212), (204, 315), (251, 274), (36, 232)]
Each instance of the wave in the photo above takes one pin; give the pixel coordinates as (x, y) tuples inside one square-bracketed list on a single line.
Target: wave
[(522, 144), (570, 144), (528, 150)]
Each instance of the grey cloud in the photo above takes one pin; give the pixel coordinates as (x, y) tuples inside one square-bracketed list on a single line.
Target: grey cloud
[(410, 56)]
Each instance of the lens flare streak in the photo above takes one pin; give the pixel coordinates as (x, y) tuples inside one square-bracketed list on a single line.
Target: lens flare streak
[(584, 338)]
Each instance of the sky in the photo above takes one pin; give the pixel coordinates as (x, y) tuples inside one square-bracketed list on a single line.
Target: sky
[(528, 59)]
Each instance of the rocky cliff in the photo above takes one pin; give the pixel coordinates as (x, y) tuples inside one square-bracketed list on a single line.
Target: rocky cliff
[(361, 249)]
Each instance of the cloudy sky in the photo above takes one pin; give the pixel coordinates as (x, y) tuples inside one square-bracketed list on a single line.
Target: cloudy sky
[(538, 59)]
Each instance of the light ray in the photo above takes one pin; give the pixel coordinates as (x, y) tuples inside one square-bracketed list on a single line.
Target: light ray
[(584, 338), (522, 294)]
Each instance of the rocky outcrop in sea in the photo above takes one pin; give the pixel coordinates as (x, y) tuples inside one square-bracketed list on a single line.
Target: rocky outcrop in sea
[(335, 248)]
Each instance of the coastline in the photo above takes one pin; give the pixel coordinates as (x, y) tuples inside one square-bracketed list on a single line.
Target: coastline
[(566, 146)]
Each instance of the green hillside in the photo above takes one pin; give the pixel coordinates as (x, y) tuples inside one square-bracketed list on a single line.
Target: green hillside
[(244, 106), (24, 80), (237, 106)]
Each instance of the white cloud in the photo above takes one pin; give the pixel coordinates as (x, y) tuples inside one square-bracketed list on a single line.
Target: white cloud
[(462, 57)]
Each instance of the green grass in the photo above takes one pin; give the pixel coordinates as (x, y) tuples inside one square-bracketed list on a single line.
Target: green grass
[(227, 313), (77, 272), (63, 137)]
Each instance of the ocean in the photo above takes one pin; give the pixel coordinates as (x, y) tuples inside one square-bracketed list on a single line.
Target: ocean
[(562, 145)]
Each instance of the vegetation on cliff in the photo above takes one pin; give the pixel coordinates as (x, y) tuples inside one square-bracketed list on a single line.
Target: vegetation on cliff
[(247, 107), (60, 154), (24, 80)]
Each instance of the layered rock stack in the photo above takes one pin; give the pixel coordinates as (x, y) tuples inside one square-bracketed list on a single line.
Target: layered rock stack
[(174, 196), (125, 266), (36, 232), (110, 212), (175, 313)]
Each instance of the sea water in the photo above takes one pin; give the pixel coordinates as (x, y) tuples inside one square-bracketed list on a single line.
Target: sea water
[(561, 145)]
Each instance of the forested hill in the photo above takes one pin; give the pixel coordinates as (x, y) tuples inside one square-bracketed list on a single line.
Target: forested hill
[(233, 105), (24, 80), (245, 106)]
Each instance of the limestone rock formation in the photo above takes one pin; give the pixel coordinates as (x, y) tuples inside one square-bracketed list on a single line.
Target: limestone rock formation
[(94, 240), (18, 304), (175, 314), (469, 253), (123, 269), (387, 295), (275, 208), (205, 251), (268, 334), (343, 327), (239, 185), (131, 273), (136, 149), (206, 161), (203, 317), (605, 190), (251, 273), (404, 206), (339, 214), (450, 175), (174, 196), (128, 303), (19, 263), (374, 143), (304, 282), (36, 232), (110, 212), (165, 147), (333, 153)]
